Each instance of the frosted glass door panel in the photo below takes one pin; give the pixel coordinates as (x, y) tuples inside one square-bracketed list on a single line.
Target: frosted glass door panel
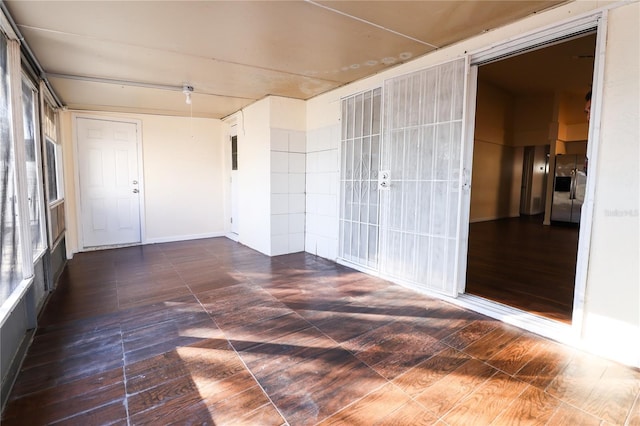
[(422, 145), (360, 157)]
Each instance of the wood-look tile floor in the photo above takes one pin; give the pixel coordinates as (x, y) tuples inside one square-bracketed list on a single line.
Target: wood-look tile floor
[(211, 332)]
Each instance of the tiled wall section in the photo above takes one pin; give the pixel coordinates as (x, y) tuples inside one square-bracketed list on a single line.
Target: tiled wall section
[(322, 192), (287, 191)]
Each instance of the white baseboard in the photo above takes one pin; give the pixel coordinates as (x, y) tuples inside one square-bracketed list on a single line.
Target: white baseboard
[(175, 238)]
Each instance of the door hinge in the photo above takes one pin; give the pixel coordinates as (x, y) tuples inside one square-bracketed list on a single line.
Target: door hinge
[(231, 220)]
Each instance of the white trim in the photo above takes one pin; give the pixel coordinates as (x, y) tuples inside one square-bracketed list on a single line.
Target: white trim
[(540, 37), (46, 101), (16, 296), (464, 179), (466, 170), (56, 203), (76, 176), (406, 284), (360, 268), (109, 246), (587, 212), (339, 193), (225, 152), (14, 68), (232, 236), (39, 162), (543, 326), (176, 238)]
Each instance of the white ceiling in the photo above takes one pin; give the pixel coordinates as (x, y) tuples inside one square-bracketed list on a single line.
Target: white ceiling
[(135, 56)]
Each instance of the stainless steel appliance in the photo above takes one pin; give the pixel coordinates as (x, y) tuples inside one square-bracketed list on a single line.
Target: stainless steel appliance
[(570, 179)]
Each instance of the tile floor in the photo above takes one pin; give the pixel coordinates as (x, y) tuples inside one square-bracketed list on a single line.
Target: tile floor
[(211, 332)]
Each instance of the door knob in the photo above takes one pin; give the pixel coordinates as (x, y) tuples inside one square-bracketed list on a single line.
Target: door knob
[(135, 190), (384, 179)]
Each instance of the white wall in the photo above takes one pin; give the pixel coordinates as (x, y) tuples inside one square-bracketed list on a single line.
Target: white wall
[(254, 171), (612, 316), (182, 160), (287, 190), (288, 167), (271, 173), (182, 174), (287, 113), (321, 236), (323, 140)]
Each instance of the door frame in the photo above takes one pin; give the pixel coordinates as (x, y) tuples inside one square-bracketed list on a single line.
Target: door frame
[(234, 230), (76, 177), (226, 150), (541, 37)]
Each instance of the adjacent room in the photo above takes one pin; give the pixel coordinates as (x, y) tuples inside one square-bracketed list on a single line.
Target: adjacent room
[(530, 121)]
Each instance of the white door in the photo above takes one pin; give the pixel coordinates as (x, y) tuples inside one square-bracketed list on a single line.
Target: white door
[(109, 182), (234, 184)]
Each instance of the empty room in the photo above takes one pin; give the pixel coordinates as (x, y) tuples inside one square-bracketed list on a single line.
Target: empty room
[(320, 212)]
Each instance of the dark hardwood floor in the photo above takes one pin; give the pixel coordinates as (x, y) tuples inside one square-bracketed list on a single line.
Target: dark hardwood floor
[(522, 263), (211, 332)]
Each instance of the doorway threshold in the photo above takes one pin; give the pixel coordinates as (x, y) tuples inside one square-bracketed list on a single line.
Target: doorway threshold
[(555, 330)]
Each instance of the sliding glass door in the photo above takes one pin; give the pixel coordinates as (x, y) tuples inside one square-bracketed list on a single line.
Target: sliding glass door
[(407, 227)]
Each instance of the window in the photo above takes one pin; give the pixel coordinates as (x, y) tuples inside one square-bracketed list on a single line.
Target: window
[(234, 153), (32, 159), (10, 248), (53, 173), (53, 154)]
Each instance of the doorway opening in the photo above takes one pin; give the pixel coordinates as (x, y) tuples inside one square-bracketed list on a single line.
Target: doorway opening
[(529, 168)]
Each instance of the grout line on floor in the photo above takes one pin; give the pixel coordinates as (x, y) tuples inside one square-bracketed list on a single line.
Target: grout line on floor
[(124, 379), (242, 361)]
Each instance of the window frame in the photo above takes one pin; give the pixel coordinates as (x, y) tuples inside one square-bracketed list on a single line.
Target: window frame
[(26, 79), (18, 283)]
